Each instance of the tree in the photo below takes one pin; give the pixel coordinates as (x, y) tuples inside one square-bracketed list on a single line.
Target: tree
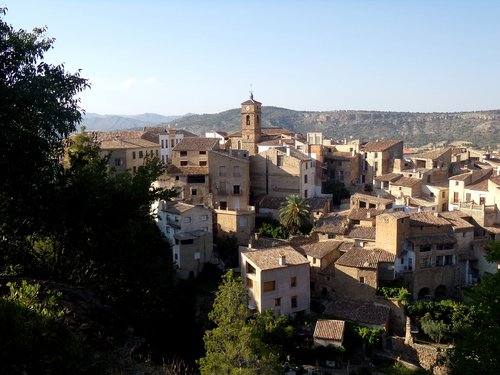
[(476, 345), (295, 213), (337, 190), (38, 110), (234, 345)]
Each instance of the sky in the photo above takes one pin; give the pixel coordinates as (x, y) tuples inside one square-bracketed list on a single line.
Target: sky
[(195, 56)]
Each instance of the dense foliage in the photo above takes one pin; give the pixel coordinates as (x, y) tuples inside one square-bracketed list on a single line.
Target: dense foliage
[(35, 339), (271, 228), (239, 343)]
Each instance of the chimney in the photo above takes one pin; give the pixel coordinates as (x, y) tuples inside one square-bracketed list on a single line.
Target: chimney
[(287, 150), (282, 260)]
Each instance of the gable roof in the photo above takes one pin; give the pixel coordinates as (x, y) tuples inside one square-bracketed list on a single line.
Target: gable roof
[(391, 177), (361, 232), (329, 329), (374, 146), (186, 171), (364, 213), (333, 223), (359, 257), (434, 154), (196, 144), (320, 249), (128, 143), (406, 182), (176, 207), (268, 259), (427, 218)]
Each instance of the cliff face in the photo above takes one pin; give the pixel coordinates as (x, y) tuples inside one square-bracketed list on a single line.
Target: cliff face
[(416, 129)]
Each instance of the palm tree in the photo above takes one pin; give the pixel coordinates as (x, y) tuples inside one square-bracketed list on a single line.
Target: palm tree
[(294, 213)]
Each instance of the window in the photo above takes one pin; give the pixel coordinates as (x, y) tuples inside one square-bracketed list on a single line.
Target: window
[(187, 242), (443, 194), (306, 165), (445, 246), (196, 179), (242, 222), (482, 200), (133, 154), (455, 197), (236, 190), (184, 163), (134, 169), (194, 192), (203, 163), (141, 155), (222, 170), (248, 120), (294, 302), (250, 268), (269, 286), (203, 152), (305, 179), (162, 143), (402, 260), (184, 153), (223, 205), (176, 178), (375, 155), (445, 260), (361, 280), (187, 219), (236, 171), (163, 159), (376, 166), (277, 302), (314, 260), (279, 160), (172, 143), (204, 217), (249, 283), (456, 183), (293, 282), (305, 193), (467, 197), (156, 152), (426, 262), (118, 162)]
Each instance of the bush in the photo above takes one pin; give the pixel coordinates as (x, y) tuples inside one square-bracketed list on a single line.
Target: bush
[(435, 329), (398, 293)]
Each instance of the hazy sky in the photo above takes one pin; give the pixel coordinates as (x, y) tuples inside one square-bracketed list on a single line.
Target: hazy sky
[(174, 57)]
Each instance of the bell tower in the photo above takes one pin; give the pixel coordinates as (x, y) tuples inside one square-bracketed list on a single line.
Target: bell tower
[(251, 117)]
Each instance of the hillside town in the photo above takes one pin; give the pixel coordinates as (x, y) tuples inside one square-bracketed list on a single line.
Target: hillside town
[(417, 218)]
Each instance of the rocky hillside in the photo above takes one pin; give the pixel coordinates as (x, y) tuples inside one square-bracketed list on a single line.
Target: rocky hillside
[(481, 128)]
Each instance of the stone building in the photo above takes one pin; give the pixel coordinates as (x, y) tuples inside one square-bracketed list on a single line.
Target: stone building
[(378, 158)]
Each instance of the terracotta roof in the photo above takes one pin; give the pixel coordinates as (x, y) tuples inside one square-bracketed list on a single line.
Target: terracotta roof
[(427, 218), (365, 258), (321, 248), (371, 198), (129, 143), (267, 201), (317, 203), (481, 184), (346, 246), (397, 214), (251, 101), (459, 224), (494, 229), (374, 146), (421, 202), (364, 213), (267, 259), (299, 155), (361, 312), (454, 214), (109, 136), (406, 182), (391, 177), (166, 130), (176, 207), (434, 154), (461, 177), (495, 180), (429, 239), (332, 223), (196, 143), (329, 329), (185, 171), (362, 232)]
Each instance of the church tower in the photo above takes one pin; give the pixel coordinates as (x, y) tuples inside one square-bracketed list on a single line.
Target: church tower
[(251, 116)]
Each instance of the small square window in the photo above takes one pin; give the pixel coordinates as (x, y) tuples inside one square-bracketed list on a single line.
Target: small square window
[(194, 192), (277, 302), (184, 163), (141, 155), (184, 153), (361, 280), (293, 282), (133, 154), (294, 302), (203, 163)]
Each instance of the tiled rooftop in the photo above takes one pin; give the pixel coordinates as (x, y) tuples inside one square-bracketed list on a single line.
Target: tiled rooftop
[(333, 223), (362, 233), (329, 329), (406, 182), (267, 259), (185, 171), (321, 249), (374, 146), (129, 143), (360, 312), (364, 213), (365, 258), (391, 177), (426, 218), (434, 154), (176, 207), (196, 144)]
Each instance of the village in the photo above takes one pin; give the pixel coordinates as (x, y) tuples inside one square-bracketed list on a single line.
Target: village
[(418, 219)]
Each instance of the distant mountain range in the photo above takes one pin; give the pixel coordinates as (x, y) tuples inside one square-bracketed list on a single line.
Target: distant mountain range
[(94, 121), (481, 128)]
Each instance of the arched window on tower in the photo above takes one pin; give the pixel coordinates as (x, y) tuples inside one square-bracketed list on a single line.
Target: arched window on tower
[(257, 120), (248, 119)]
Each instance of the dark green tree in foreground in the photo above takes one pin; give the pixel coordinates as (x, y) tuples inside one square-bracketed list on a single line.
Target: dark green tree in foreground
[(235, 345), (38, 110), (295, 213), (477, 347)]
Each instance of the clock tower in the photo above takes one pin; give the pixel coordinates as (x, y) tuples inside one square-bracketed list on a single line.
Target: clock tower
[(251, 117)]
